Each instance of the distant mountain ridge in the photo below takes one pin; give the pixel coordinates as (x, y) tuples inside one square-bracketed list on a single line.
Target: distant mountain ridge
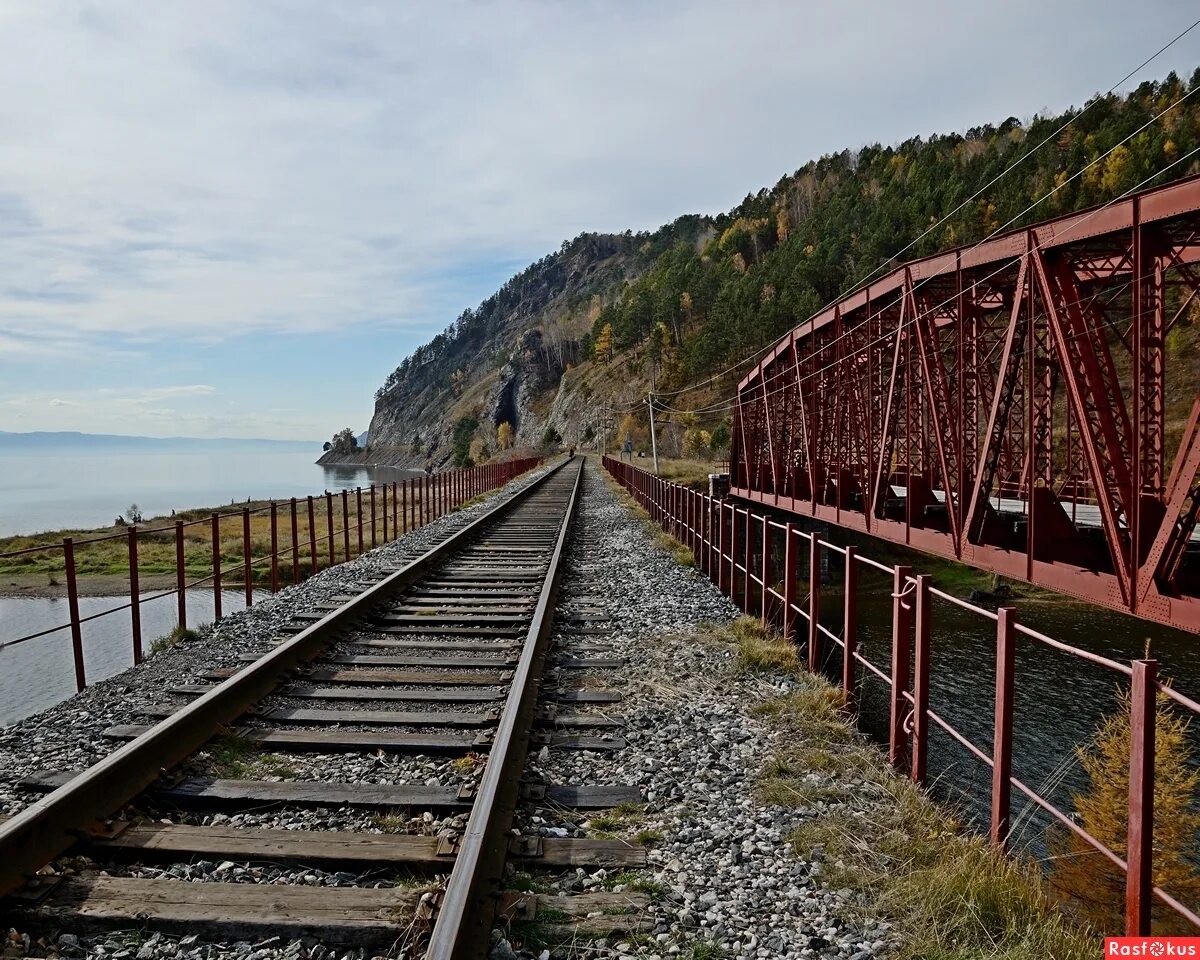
[(63, 438)]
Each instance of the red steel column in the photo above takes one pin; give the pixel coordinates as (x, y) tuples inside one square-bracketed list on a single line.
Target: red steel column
[(1140, 870), (358, 502), (314, 564), (765, 613), (216, 565), (747, 557), (274, 548), (295, 545), (374, 541), (73, 609), (135, 597), (901, 648), (814, 603), (385, 513), (329, 528), (1006, 649), (791, 559), (345, 525), (920, 727), (180, 577), (247, 569), (849, 627)]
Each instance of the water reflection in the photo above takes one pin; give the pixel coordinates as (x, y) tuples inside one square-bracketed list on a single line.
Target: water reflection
[(349, 476), (1060, 700), (39, 673)]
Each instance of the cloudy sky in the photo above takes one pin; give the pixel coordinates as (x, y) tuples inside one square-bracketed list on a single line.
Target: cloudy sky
[(233, 219)]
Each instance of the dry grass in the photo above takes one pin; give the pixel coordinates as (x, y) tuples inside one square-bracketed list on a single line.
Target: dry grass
[(156, 543), (948, 895), (679, 553)]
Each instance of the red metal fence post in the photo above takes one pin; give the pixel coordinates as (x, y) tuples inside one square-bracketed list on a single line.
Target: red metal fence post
[(791, 559), (180, 577), (714, 541), (747, 563), (385, 513), (1140, 871), (274, 548), (920, 727), (901, 650), (766, 571), (814, 602), (135, 597), (247, 569), (329, 527), (359, 510), (395, 512), (314, 563), (849, 627), (374, 539), (295, 545), (345, 526), (73, 609), (1006, 649), (731, 545), (216, 566)]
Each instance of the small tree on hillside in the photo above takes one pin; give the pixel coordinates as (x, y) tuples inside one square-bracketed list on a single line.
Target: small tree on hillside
[(603, 345), (551, 438), (1094, 885), (720, 440), (504, 435)]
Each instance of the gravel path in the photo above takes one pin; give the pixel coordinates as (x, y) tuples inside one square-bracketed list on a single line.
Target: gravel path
[(725, 881)]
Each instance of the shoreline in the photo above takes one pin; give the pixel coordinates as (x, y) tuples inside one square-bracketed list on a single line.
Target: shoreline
[(91, 585)]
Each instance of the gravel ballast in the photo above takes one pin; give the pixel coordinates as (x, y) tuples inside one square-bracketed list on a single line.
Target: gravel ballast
[(723, 876)]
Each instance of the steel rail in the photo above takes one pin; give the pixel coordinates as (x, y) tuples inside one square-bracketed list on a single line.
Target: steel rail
[(50, 826), (466, 911)]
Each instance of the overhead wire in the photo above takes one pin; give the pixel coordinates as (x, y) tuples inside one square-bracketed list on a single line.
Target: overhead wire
[(1005, 266), (728, 403), (1007, 170)]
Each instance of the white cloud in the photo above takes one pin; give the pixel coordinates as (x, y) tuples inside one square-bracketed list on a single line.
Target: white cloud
[(178, 174), (194, 170)]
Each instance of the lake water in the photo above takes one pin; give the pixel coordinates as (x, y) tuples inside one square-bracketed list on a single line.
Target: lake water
[(39, 673), (53, 489), (74, 487)]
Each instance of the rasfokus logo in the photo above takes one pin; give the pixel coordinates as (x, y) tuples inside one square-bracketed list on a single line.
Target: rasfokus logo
[(1152, 948)]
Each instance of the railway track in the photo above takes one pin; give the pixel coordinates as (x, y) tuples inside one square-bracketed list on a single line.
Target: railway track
[(440, 660)]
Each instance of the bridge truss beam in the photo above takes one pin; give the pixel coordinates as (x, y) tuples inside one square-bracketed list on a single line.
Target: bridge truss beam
[(1009, 405)]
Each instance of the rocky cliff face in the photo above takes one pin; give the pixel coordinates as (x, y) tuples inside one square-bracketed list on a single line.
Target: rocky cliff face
[(506, 360)]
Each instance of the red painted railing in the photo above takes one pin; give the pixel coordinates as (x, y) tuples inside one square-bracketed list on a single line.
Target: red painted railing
[(413, 503), (738, 548)]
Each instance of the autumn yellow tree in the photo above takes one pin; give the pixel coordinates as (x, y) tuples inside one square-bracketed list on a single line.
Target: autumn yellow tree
[(603, 346), (1089, 881), (504, 435)]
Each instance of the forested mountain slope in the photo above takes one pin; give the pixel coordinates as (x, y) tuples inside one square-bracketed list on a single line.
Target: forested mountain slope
[(606, 316)]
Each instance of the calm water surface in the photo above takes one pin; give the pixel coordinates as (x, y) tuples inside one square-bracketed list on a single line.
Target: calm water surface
[(41, 672), (72, 488), (1060, 700)]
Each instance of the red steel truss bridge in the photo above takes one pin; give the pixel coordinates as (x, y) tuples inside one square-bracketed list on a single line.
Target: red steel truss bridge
[(1011, 405)]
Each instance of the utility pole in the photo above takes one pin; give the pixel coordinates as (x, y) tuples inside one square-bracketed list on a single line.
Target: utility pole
[(653, 438)]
